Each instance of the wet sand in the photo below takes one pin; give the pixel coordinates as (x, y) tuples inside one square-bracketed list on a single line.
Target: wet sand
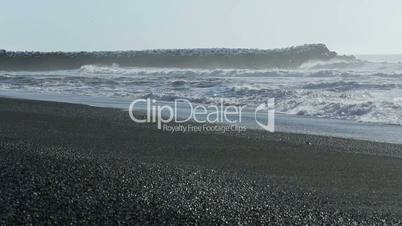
[(65, 163)]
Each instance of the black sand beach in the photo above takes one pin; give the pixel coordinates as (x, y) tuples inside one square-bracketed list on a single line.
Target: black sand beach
[(74, 164)]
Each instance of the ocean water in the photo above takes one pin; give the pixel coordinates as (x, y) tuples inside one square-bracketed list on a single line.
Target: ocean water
[(365, 90)]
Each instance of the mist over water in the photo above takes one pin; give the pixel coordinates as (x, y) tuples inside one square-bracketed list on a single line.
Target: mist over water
[(353, 90)]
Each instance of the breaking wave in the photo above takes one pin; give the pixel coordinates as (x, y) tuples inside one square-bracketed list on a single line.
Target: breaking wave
[(361, 91)]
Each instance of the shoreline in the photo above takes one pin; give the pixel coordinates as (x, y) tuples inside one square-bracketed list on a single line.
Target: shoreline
[(98, 167), (367, 131)]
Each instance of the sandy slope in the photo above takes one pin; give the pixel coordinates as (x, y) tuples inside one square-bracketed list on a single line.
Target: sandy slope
[(64, 163)]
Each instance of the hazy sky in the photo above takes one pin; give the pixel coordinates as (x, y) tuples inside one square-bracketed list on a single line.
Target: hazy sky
[(346, 26)]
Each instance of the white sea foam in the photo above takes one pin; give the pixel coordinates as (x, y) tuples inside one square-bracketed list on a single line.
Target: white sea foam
[(355, 90)]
